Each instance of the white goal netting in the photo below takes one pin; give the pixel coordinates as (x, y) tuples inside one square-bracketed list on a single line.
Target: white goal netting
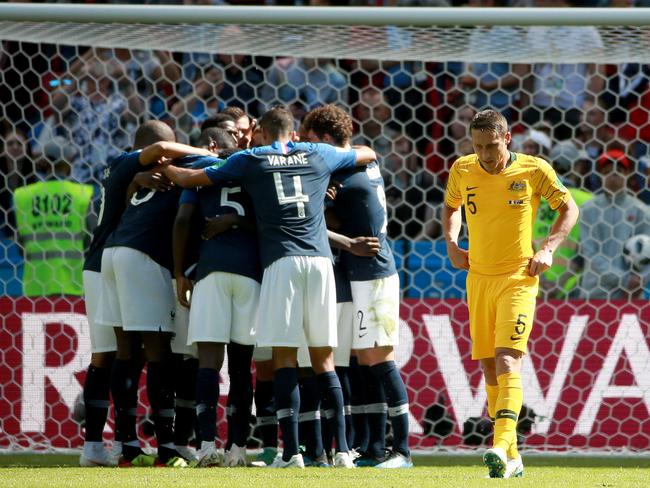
[(579, 96)]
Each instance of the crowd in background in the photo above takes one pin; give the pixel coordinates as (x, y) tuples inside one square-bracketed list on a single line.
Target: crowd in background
[(586, 120)]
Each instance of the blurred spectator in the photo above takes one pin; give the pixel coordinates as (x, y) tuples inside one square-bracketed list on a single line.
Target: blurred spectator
[(148, 79), (559, 91), (92, 114), (492, 84), (449, 145), (202, 102), (594, 132), (376, 126), (410, 189), (52, 226), (303, 84), (607, 222), (16, 170), (624, 88), (561, 279), (533, 142), (243, 79)]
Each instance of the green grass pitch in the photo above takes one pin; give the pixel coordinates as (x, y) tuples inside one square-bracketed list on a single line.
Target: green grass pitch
[(47, 470)]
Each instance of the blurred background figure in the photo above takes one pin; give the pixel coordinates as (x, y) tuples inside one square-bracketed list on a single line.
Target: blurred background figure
[(53, 226)]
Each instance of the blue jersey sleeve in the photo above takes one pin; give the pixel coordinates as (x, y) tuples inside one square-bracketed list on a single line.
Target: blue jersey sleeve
[(233, 169), (190, 196), (337, 158)]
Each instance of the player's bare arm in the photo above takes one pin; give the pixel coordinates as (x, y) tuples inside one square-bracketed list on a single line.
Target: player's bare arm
[(180, 236), (365, 155), (170, 150), (187, 178), (567, 218), (359, 246), (452, 221), (152, 179)]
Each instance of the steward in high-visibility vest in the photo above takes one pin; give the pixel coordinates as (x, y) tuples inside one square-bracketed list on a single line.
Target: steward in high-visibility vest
[(51, 226)]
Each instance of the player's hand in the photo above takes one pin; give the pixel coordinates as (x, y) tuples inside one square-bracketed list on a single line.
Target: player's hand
[(366, 247), (184, 287), (459, 257), (217, 225), (332, 190), (540, 262), (165, 161), (154, 181)]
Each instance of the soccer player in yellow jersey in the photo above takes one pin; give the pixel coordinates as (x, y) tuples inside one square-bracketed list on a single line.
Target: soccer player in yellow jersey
[(501, 191)]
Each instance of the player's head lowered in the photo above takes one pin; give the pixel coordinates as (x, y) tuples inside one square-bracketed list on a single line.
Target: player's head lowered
[(217, 140), (490, 138), (153, 131), (330, 124), (223, 121), (245, 125), (277, 124)]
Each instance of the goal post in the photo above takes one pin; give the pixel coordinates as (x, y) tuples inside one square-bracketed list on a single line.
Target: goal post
[(572, 82)]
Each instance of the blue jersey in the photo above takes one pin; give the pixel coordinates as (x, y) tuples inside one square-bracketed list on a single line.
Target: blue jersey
[(236, 250), (115, 181), (361, 206), (287, 183), (148, 221)]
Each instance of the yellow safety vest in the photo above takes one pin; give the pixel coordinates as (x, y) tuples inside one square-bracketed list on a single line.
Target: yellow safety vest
[(51, 222)]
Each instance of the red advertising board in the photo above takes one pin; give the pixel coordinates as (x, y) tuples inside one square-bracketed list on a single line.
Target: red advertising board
[(587, 376)]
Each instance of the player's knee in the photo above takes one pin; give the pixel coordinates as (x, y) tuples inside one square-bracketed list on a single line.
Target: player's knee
[(508, 361), (376, 355), (489, 370), (264, 370), (210, 355), (102, 359)]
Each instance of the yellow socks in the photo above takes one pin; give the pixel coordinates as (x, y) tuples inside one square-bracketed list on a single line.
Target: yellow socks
[(508, 406)]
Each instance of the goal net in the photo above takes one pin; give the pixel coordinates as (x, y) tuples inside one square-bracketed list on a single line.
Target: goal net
[(576, 93)]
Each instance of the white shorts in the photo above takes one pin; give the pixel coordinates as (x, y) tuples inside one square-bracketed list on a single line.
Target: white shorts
[(376, 312), (102, 339), (345, 326), (181, 323), (224, 309), (298, 297), (137, 292)]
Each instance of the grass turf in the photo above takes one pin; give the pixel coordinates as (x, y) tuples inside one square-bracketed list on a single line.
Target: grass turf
[(438, 471)]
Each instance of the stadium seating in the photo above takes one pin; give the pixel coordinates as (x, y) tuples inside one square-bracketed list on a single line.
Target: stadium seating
[(428, 271)]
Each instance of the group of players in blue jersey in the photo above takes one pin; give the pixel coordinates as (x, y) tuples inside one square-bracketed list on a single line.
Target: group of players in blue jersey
[(243, 237)]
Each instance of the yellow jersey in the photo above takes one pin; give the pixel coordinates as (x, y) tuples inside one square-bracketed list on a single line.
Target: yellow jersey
[(500, 209)]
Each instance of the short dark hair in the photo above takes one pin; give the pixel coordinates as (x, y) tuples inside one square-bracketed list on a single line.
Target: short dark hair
[(153, 131), (221, 137), (235, 112), (277, 121), (216, 120), (489, 120), (331, 120)]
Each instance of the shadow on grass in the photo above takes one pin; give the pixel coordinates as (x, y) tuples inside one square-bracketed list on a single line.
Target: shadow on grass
[(47, 460)]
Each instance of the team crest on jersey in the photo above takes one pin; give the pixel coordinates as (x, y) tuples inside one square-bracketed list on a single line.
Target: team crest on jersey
[(517, 186)]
